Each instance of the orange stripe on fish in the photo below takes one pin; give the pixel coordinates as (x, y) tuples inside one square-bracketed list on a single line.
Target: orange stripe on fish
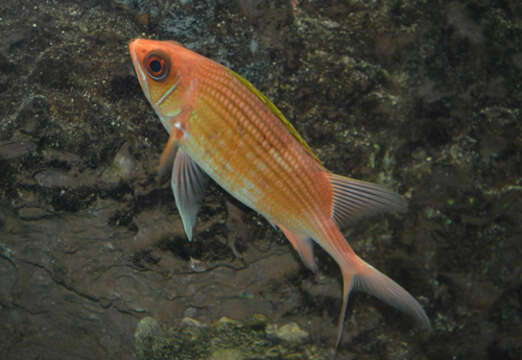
[(224, 128)]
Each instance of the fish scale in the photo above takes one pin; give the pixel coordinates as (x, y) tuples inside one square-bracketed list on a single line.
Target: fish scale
[(287, 166), (263, 182), (225, 128)]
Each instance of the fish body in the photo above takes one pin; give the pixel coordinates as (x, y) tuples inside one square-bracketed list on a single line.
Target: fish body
[(222, 127)]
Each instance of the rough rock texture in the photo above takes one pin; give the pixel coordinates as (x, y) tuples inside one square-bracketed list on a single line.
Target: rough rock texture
[(224, 339), (422, 96)]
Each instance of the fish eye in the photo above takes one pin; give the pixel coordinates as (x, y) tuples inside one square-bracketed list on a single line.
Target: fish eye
[(157, 66)]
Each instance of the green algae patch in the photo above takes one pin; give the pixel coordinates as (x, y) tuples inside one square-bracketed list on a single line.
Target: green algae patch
[(253, 338)]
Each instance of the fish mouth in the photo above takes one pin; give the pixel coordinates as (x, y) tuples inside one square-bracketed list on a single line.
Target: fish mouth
[(134, 46)]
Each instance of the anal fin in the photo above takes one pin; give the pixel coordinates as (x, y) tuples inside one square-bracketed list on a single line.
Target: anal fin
[(304, 247)]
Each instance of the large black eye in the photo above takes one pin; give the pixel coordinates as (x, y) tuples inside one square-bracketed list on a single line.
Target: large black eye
[(157, 66)]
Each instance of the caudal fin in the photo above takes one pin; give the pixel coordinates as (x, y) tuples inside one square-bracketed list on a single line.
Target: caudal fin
[(351, 200), (359, 275)]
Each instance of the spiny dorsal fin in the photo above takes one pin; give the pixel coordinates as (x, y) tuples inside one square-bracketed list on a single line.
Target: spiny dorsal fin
[(275, 110)]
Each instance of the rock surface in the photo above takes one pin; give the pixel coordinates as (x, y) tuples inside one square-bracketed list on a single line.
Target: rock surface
[(423, 98)]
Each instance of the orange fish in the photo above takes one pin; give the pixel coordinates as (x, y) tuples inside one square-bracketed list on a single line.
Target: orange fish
[(221, 126)]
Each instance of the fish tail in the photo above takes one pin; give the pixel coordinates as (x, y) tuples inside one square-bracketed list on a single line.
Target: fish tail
[(353, 199), (359, 275)]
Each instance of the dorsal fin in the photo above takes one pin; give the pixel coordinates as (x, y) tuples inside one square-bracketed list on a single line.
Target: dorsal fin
[(274, 110), (354, 199)]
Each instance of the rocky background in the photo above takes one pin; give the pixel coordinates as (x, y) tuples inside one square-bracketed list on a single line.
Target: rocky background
[(422, 96)]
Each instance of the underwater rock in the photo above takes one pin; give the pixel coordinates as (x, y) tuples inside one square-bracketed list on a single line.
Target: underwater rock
[(147, 328), (290, 332), (10, 150), (192, 328), (52, 178), (424, 98), (226, 354), (32, 213), (224, 339), (123, 167)]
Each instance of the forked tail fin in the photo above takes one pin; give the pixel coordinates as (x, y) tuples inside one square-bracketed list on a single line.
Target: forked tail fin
[(359, 275), (353, 199)]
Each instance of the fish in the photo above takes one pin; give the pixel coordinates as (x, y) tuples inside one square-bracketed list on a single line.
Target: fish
[(221, 127)]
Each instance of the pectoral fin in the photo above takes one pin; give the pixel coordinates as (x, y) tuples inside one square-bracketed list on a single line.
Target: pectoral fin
[(188, 185), (167, 158), (177, 122)]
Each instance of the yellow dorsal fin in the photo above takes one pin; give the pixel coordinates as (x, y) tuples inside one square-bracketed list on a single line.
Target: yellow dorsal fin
[(275, 110)]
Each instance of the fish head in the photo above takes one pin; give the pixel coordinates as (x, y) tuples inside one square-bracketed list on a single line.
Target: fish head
[(164, 71)]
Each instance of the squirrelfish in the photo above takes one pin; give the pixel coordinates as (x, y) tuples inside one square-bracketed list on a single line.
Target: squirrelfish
[(222, 127)]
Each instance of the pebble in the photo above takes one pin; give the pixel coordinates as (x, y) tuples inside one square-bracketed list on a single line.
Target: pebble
[(290, 332), (123, 167), (32, 213), (55, 179), (10, 150)]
